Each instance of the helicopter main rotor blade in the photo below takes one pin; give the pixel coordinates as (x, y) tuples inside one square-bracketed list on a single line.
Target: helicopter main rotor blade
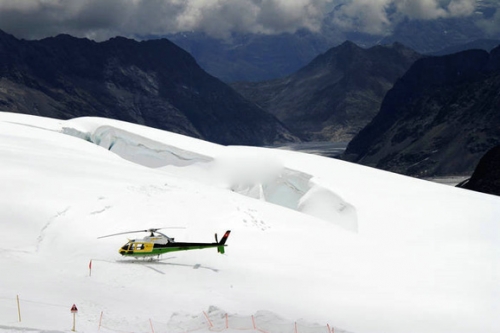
[(123, 233), (144, 230)]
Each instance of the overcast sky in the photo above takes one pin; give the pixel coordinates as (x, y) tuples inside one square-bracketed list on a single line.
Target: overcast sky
[(102, 19)]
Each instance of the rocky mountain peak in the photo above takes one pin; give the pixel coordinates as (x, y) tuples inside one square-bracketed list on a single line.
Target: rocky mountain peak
[(336, 94), (153, 82)]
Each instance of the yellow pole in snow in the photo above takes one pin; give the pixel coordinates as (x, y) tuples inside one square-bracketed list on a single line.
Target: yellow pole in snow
[(18, 308)]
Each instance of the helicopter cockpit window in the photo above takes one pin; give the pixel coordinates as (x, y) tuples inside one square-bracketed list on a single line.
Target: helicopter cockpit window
[(125, 247), (137, 246)]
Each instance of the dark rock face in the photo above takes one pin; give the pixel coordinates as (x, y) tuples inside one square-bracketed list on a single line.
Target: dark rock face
[(486, 176), (437, 120), (154, 83), (479, 44), (335, 95)]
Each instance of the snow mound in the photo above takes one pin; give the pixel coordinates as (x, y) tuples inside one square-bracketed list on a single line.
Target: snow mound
[(327, 205), (217, 320)]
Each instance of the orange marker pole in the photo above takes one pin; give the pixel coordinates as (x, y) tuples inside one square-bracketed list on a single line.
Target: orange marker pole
[(208, 319), (151, 323), (100, 321)]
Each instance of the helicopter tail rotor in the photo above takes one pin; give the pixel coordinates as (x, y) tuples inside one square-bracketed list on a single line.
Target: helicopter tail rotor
[(220, 248)]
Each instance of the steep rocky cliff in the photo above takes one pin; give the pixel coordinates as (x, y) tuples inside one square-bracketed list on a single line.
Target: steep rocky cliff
[(486, 176), (154, 83), (438, 119)]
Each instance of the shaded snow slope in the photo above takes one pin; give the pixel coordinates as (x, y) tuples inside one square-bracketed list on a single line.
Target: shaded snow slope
[(424, 258)]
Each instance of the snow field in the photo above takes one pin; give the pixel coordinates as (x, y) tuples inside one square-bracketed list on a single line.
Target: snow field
[(313, 238)]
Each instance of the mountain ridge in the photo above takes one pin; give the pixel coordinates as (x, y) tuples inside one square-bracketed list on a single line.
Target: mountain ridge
[(336, 94), (152, 82), (262, 57), (438, 119)]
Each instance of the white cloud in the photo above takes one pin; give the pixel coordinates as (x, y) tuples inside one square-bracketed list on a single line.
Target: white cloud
[(423, 9), (99, 19), (492, 26), (103, 19), (433, 9), (364, 15), (461, 7), (378, 16)]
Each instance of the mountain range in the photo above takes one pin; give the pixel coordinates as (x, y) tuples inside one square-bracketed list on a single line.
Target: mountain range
[(154, 83), (336, 94), (440, 118), (262, 57)]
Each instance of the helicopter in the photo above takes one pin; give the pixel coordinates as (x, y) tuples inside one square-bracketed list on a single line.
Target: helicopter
[(158, 243)]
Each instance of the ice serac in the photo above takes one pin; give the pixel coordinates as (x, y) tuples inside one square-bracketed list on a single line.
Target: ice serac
[(144, 151), (297, 190), (260, 174), (253, 172)]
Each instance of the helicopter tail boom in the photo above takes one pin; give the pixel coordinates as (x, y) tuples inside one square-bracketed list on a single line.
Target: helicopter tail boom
[(220, 248)]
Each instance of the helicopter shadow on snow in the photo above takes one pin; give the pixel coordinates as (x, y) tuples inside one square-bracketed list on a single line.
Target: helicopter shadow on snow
[(148, 263)]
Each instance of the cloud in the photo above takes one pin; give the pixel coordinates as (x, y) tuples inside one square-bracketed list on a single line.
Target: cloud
[(363, 15), (379, 16), (461, 7), (102, 19), (492, 25), (39, 18), (433, 9), (98, 19)]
